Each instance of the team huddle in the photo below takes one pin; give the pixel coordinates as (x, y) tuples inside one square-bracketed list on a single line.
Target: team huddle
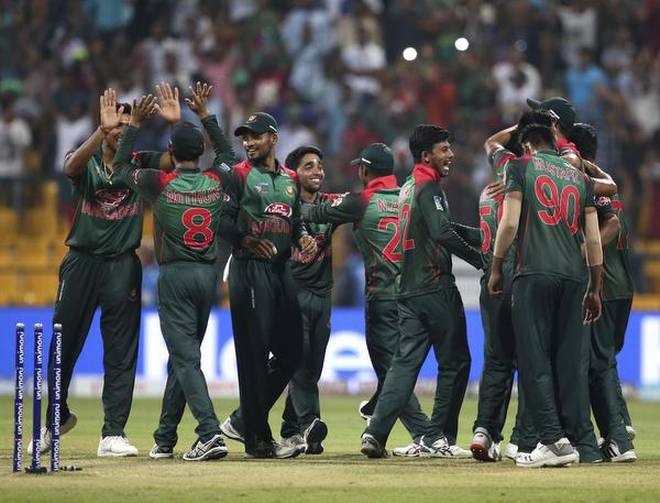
[(555, 294)]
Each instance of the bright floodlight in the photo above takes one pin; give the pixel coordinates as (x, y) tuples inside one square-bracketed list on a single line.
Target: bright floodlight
[(461, 44), (410, 54)]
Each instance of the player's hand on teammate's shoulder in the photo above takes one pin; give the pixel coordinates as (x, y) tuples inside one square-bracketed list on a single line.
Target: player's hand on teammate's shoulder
[(495, 190), (260, 248), (169, 107), (110, 115), (199, 97), (143, 108)]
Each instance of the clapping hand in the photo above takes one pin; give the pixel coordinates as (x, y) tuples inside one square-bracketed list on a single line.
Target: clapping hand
[(169, 107), (143, 108), (110, 115)]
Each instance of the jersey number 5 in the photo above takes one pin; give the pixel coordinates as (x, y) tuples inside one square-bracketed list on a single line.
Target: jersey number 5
[(558, 205), (197, 222)]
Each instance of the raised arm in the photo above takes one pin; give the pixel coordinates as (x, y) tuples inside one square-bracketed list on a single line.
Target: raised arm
[(76, 161), (224, 153), (147, 182)]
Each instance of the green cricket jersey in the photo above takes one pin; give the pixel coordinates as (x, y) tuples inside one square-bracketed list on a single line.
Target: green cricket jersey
[(108, 217), (186, 202), (618, 283), (555, 196), (490, 213), (429, 237), (314, 272), (374, 214), (263, 204)]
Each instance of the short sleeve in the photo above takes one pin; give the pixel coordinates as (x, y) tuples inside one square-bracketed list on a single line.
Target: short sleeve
[(515, 176), (589, 196), (498, 159)]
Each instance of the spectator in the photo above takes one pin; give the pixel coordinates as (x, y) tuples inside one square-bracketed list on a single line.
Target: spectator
[(586, 84), (15, 138), (364, 59), (516, 80)]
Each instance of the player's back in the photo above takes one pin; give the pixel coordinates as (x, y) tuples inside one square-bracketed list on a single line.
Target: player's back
[(186, 215), (377, 235), (551, 227)]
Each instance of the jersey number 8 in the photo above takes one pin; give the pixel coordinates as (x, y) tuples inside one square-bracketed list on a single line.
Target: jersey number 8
[(197, 222)]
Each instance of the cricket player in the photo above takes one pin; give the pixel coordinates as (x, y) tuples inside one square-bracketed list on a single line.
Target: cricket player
[(554, 202), (374, 214), (102, 270), (186, 204), (301, 419), (263, 223), (608, 333), (499, 345), (430, 306)]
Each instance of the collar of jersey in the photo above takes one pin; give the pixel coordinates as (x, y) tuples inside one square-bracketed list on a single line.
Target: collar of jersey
[(424, 172), (189, 170), (279, 169), (548, 151), (382, 182)]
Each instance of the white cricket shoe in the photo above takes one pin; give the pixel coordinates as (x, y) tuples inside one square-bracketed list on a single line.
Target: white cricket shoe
[(613, 454), (46, 440), (483, 448), (441, 449), (511, 451), (115, 446), (414, 450), (229, 431), (559, 453)]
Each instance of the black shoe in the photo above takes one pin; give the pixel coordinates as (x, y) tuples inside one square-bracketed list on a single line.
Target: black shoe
[(205, 451), (371, 447), (263, 450), (314, 435)]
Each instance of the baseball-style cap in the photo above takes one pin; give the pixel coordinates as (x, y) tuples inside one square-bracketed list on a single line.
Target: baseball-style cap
[(561, 107), (187, 142), (258, 123), (376, 156)]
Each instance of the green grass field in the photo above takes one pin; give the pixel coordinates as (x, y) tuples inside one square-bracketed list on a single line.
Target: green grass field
[(340, 474)]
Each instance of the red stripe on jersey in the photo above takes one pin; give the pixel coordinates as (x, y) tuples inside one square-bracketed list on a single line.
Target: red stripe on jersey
[(242, 169), (211, 175), (167, 176), (616, 204), (380, 183)]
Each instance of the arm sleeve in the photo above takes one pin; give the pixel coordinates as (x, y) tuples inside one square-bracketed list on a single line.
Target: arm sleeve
[(472, 235), (441, 228), (149, 159), (146, 182), (341, 210), (227, 226), (498, 159), (589, 199), (224, 153), (515, 176)]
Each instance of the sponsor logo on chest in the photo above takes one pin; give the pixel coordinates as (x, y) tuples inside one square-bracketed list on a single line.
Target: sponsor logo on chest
[(280, 209)]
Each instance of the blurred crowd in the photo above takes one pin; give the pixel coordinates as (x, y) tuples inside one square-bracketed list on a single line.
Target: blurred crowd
[(340, 74)]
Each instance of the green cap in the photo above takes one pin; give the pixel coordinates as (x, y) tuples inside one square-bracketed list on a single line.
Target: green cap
[(187, 142), (258, 123), (561, 107), (376, 156)]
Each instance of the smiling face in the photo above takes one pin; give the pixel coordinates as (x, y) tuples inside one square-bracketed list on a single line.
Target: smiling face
[(116, 134), (439, 157), (310, 172), (258, 146)]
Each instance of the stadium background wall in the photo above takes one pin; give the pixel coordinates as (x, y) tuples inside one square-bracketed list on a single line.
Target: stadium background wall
[(347, 368)]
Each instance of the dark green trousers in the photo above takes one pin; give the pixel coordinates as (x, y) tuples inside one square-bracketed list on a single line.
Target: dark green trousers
[(435, 319), (302, 400), (266, 320), (499, 361), (609, 407), (382, 337), (113, 284), (186, 294), (553, 356)]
